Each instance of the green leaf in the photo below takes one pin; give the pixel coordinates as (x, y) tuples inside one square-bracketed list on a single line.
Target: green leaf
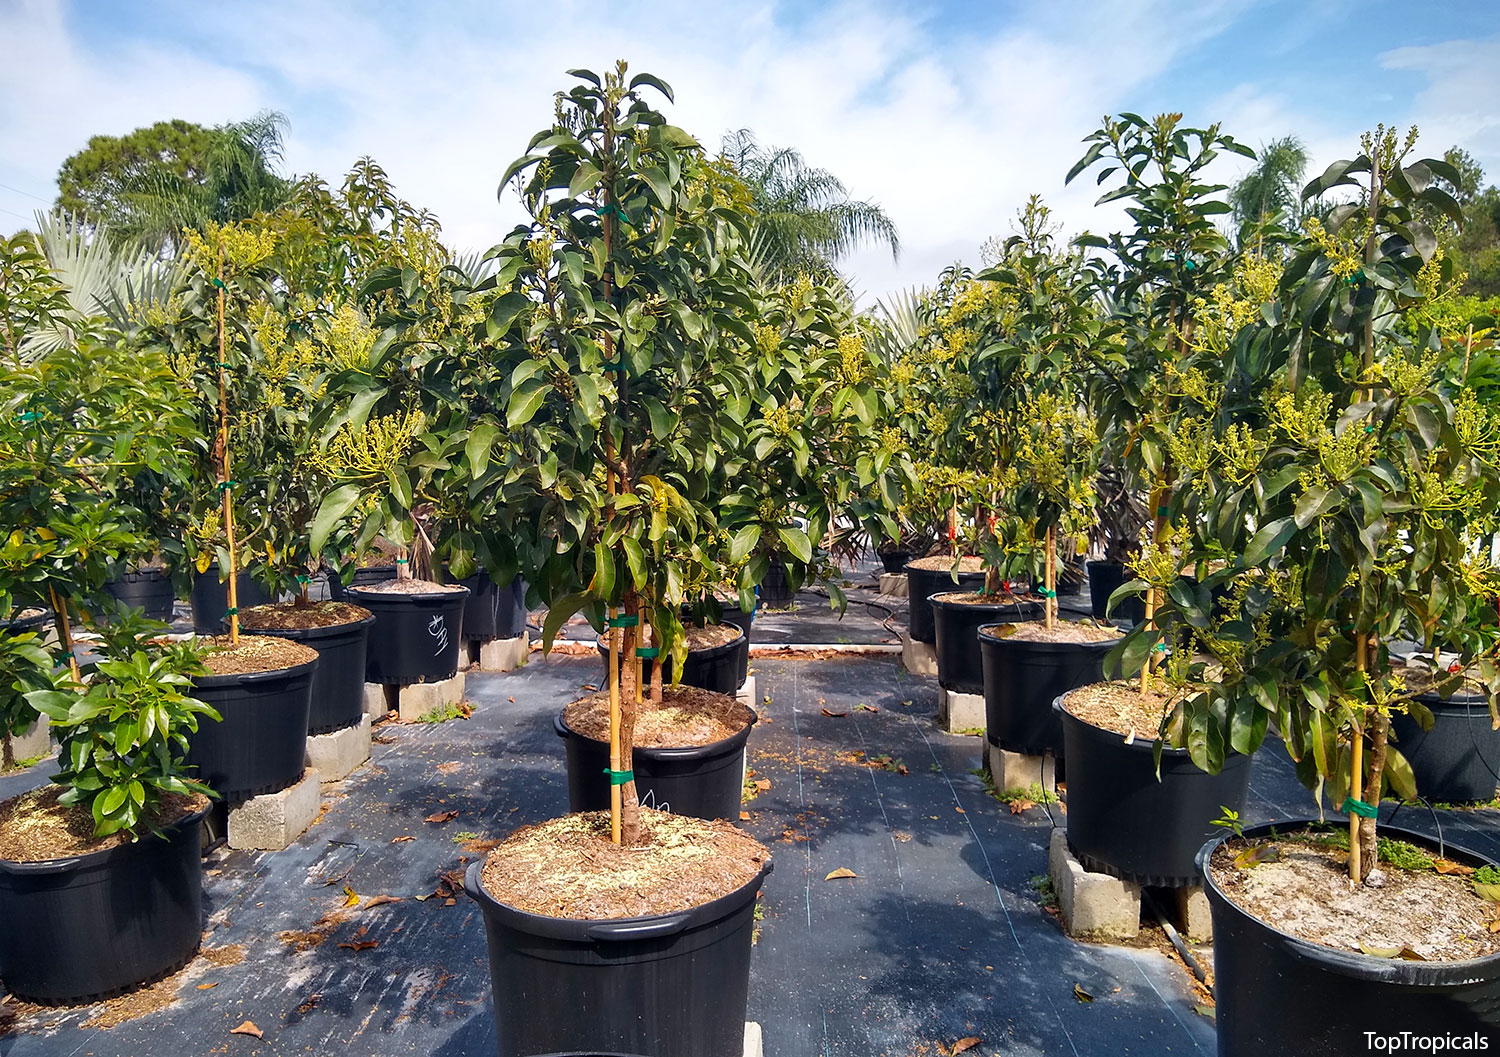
[(503, 313), (635, 561), (477, 447), (559, 613), (335, 506), (796, 543), (1269, 540), (655, 82), (526, 401), (585, 178), (743, 543)]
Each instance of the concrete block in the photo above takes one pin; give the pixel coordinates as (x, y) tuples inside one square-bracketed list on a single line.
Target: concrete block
[(1011, 770), (746, 693), (271, 821), (754, 1045), (1092, 904), (500, 655), (960, 713), (919, 658), (36, 741), (377, 701), (893, 584), (1192, 913), (415, 701), (336, 754)]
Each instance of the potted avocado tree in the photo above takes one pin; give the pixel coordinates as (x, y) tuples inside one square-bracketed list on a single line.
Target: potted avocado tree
[(1137, 805), (1353, 511), (1052, 336), (618, 311)]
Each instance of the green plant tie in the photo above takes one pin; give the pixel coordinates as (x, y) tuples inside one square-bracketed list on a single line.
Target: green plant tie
[(301, 579), (649, 653), (1160, 646), (612, 365), (226, 366), (28, 416), (231, 611), (219, 283), (1046, 592), (629, 620), (1161, 511), (224, 486), (1190, 264), (610, 207), (402, 561), (619, 777), (1358, 807)]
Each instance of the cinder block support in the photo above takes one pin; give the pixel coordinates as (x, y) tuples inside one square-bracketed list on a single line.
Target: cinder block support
[(960, 713), (1192, 914), (746, 693), (35, 741), (919, 658), (415, 701), (1092, 904), (1011, 770), (893, 584), (500, 655), (272, 821), (377, 701), (754, 1046), (336, 754)]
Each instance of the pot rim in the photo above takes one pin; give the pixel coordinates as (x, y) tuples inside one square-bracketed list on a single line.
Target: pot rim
[(1099, 646), (711, 652), (617, 930), (1021, 604), (217, 682), (1139, 745), (1360, 966), (722, 747), (85, 860), (391, 599), (320, 632)]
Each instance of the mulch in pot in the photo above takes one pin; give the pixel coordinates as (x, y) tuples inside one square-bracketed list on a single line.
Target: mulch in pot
[(980, 598), (34, 827), (1120, 707), (254, 653), (687, 717), (706, 638), (292, 617), (1063, 631), (409, 587), (943, 563), (568, 867)]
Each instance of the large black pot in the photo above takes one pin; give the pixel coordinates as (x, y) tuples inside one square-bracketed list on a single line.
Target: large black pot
[(922, 584), (671, 985), (338, 682), (364, 576), (704, 781), (94, 925), (894, 561), (1105, 579), (210, 599), (510, 610), (718, 668), (731, 613), (1459, 758), (775, 591), (145, 589), (481, 608), (260, 745), (957, 625), (1280, 994), (1022, 679), (38, 622), (415, 638), (1124, 822)]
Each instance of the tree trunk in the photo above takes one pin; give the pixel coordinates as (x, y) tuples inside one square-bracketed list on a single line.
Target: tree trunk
[(1380, 727), (630, 804)]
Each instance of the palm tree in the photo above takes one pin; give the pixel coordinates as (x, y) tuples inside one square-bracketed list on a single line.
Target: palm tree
[(805, 219), (1270, 192)]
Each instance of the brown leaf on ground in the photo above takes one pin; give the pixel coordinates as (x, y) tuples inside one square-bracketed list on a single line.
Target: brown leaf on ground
[(763, 784), (866, 708), (842, 871), (361, 945), (248, 1028), (744, 816), (441, 816), (448, 768), (964, 1044), (511, 700), (1080, 994), (375, 901), (1448, 866), (831, 714), (205, 987), (1021, 804), (351, 897), (401, 839)]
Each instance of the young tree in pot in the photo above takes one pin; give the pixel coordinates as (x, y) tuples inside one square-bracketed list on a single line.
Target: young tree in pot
[(621, 308), (111, 849), (1354, 509), (1049, 335)]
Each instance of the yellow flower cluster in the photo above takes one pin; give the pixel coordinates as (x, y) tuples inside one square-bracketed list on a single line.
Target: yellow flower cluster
[(854, 366), (779, 421), (244, 245), (767, 339), (1234, 304), (349, 339), (373, 450), (1342, 250)]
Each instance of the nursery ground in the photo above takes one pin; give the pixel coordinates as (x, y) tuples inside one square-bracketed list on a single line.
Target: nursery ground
[(939, 937)]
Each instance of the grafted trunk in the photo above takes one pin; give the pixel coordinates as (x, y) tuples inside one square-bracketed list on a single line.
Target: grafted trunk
[(630, 698)]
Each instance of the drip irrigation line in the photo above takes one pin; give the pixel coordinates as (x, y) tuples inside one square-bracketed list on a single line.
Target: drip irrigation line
[(1177, 941), (1442, 848)]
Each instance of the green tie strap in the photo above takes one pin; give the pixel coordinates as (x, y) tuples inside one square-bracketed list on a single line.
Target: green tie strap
[(1358, 807), (649, 653), (619, 777), (629, 620)]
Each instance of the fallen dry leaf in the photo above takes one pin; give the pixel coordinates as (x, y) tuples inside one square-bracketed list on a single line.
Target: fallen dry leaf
[(1021, 804), (1495, 925), (963, 1044), (1448, 866), (351, 897), (842, 871), (873, 708), (361, 945), (449, 902), (834, 715), (590, 686), (442, 816), (248, 1028), (1255, 856), (960, 810), (401, 840), (511, 700), (744, 816), (205, 987), (375, 901), (1080, 994), (763, 784), (448, 768)]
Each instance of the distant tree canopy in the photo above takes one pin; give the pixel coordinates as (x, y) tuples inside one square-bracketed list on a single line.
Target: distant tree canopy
[(1475, 247), (150, 184)]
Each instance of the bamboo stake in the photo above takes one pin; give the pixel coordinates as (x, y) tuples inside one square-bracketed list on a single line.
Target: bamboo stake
[(1158, 499), (64, 631), (1356, 769), (226, 483), (1051, 578)]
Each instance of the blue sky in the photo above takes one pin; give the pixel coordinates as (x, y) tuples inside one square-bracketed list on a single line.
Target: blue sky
[(947, 113)]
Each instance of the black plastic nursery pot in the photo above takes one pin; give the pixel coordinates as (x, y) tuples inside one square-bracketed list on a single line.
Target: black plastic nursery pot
[(95, 925), (415, 637), (775, 591), (956, 624), (37, 622), (210, 599), (1022, 679), (260, 745), (1105, 579), (669, 985), (718, 668), (704, 781), (894, 561), (1280, 994), (1122, 821), (338, 681), (1459, 758), (364, 576), (481, 608), (145, 589), (510, 610), (922, 584)]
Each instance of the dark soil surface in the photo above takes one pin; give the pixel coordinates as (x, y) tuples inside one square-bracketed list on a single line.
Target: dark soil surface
[(285, 616), (688, 716), (34, 827), (254, 653), (978, 598)]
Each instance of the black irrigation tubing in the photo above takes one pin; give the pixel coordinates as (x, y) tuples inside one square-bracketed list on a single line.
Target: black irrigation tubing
[(1442, 848), (1177, 941)]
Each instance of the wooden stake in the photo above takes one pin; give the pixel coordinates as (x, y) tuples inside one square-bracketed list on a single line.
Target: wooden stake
[(1356, 769), (1158, 498), (226, 483), (64, 631), (1050, 609)]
